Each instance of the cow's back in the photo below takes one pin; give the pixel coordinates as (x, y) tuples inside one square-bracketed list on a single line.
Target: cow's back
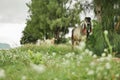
[(76, 34)]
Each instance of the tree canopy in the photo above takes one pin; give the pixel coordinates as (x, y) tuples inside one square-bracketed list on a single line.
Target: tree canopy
[(50, 18)]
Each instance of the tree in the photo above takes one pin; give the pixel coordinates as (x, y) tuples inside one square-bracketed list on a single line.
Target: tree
[(50, 18), (106, 12)]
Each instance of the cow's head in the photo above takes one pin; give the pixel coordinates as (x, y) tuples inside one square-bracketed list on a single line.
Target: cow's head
[(88, 21)]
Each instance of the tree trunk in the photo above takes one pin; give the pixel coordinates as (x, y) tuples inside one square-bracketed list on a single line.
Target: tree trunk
[(57, 33), (98, 13)]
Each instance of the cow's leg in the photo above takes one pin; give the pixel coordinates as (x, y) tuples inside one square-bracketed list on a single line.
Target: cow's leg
[(73, 44), (87, 34)]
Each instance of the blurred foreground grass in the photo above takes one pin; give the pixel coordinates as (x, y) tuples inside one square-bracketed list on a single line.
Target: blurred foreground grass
[(56, 62)]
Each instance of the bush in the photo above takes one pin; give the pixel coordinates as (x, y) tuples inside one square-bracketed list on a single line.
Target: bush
[(97, 42)]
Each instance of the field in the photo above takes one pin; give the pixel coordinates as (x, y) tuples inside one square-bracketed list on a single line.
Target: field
[(57, 62)]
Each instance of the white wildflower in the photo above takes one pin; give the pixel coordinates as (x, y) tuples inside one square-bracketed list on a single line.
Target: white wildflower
[(55, 79), (107, 66), (67, 55), (103, 54), (101, 59), (92, 64), (87, 69), (105, 50), (63, 59), (82, 45), (66, 63), (2, 73), (90, 72), (105, 32), (83, 53), (73, 73), (117, 75), (54, 54), (73, 53), (94, 56), (109, 57), (86, 50), (70, 55), (39, 68), (90, 53), (80, 57), (99, 68), (23, 78)]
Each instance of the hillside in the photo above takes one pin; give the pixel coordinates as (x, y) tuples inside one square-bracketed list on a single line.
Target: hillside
[(4, 46)]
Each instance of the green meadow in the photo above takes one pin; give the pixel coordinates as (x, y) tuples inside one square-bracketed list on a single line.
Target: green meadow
[(57, 62)]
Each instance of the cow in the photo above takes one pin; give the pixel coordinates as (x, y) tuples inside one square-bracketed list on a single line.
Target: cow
[(46, 42), (81, 32), (50, 41), (39, 42)]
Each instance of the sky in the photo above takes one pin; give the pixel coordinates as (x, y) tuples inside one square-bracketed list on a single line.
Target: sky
[(13, 11), (13, 15)]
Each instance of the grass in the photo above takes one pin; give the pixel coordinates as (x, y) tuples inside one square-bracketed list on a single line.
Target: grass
[(56, 62)]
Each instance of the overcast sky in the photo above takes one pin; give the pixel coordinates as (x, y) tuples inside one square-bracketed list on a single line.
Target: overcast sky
[(13, 14), (13, 11)]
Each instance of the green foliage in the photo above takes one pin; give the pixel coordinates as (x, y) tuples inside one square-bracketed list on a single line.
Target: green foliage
[(49, 18), (97, 42), (35, 57), (60, 49), (107, 13)]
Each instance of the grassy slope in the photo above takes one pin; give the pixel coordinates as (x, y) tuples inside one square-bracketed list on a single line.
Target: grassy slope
[(56, 62)]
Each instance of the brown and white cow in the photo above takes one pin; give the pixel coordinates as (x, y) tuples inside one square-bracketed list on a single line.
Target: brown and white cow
[(81, 32)]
